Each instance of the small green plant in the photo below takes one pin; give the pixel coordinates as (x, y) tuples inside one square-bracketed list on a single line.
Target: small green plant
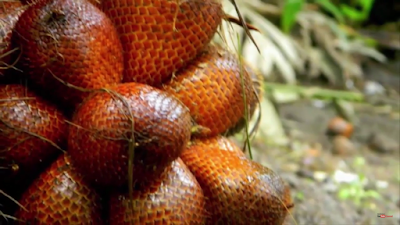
[(355, 190), (357, 12), (290, 10), (300, 196)]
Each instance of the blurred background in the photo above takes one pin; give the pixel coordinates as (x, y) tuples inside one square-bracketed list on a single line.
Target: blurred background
[(330, 108)]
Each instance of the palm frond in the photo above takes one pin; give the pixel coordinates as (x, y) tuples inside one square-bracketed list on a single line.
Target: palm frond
[(317, 40)]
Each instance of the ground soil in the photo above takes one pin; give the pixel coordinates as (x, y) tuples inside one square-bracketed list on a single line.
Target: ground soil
[(313, 169)]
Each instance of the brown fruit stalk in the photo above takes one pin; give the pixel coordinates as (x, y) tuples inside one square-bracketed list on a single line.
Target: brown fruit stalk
[(175, 197), (160, 36), (211, 87), (68, 42), (238, 191), (31, 129), (60, 196), (9, 14), (128, 116)]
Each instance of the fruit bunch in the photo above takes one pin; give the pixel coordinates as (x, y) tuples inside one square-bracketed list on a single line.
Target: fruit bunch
[(117, 112)]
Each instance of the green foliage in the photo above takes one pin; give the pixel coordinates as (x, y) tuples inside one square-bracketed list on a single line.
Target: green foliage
[(355, 190), (331, 8), (341, 12), (345, 11), (290, 10), (357, 15), (300, 196)]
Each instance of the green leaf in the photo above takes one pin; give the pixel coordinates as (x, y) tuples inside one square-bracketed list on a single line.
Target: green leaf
[(290, 10), (344, 194), (359, 161), (300, 196), (370, 41), (352, 13), (362, 177), (373, 194), (366, 6), (332, 8)]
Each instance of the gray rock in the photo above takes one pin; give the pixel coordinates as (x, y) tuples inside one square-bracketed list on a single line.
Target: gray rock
[(382, 144)]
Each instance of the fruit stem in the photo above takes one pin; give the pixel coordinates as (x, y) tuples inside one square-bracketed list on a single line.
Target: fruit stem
[(198, 130), (246, 113)]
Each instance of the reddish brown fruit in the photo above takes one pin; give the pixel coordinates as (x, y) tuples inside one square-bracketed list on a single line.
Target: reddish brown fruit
[(339, 126), (153, 50), (211, 87), (173, 198), (9, 6), (30, 128), (73, 41), (9, 14), (31, 2), (257, 80), (238, 191), (157, 123), (60, 196)]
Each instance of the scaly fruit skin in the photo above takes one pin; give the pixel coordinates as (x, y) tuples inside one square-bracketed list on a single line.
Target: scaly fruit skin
[(153, 50), (29, 128), (73, 41), (9, 6), (238, 191), (157, 123), (211, 87), (175, 197), (9, 14), (60, 195), (31, 2), (257, 80)]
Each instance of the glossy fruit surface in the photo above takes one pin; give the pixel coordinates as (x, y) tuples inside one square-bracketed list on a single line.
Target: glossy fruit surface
[(211, 87), (31, 2), (68, 47), (175, 197), (160, 36), (238, 191), (60, 196), (128, 115), (31, 128), (9, 14), (339, 126)]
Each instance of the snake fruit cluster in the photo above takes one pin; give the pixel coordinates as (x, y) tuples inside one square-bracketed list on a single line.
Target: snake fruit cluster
[(120, 114)]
